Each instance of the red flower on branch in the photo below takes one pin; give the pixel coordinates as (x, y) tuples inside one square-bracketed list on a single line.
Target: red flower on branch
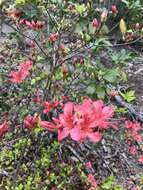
[(18, 76)]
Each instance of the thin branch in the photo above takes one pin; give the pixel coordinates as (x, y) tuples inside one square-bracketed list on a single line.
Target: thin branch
[(27, 37)]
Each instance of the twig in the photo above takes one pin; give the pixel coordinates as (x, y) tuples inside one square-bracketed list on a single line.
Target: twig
[(75, 153), (88, 47)]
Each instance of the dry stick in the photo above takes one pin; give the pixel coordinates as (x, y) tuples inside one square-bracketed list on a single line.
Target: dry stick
[(75, 153), (81, 159), (138, 115)]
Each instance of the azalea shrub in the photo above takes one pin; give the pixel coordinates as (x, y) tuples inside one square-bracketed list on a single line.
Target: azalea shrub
[(55, 82)]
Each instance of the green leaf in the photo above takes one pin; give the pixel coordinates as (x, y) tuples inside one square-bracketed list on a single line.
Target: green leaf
[(91, 29), (128, 96), (108, 183), (104, 30), (111, 75), (20, 2), (118, 187), (80, 8), (100, 92)]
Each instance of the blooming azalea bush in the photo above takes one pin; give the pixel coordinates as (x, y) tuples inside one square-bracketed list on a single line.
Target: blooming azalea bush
[(81, 121), (55, 85)]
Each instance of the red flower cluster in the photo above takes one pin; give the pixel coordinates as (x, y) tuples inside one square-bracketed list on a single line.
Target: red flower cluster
[(88, 119), (3, 128), (134, 128), (37, 25), (19, 76)]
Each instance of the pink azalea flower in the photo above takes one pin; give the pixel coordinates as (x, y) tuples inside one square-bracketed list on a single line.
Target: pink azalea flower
[(102, 114), (84, 120), (3, 128), (80, 121), (19, 76)]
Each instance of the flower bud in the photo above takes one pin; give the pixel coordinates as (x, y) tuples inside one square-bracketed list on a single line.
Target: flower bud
[(104, 16), (114, 9), (95, 23)]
